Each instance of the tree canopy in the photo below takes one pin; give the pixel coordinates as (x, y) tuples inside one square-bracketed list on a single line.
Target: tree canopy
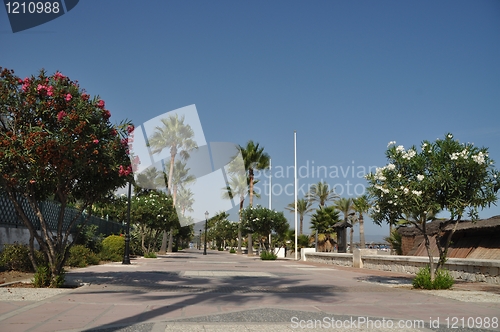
[(56, 142), (442, 175)]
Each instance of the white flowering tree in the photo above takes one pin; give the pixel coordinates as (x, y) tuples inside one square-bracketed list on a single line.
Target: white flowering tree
[(441, 175), (153, 212), (263, 221)]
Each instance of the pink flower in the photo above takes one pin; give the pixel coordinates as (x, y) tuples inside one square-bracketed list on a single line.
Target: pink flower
[(100, 104), (25, 87), (42, 89), (68, 97), (124, 142), (106, 114), (114, 132), (95, 141), (61, 115), (58, 75), (124, 171), (20, 81), (50, 90), (85, 96), (130, 128)]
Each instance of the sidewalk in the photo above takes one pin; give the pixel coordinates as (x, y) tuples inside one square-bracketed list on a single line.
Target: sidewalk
[(189, 291)]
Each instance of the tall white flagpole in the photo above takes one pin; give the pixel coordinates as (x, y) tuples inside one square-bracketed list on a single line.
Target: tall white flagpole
[(270, 193), (295, 178), (270, 184)]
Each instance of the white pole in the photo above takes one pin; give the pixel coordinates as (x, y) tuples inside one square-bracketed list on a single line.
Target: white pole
[(270, 193), (295, 178)]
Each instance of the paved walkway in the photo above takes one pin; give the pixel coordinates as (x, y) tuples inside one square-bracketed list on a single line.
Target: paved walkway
[(189, 291)]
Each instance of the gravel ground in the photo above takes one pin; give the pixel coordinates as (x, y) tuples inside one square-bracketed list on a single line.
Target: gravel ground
[(29, 294)]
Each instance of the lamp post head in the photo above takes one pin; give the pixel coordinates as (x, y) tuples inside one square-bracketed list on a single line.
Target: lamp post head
[(206, 215)]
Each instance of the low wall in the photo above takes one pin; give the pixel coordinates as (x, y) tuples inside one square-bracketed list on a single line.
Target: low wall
[(11, 235), (483, 270), (329, 258)]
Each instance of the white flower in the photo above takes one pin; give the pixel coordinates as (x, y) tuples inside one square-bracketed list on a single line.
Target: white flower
[(391, 143), (399, 175), (480, 158), (400, 148), (409, 154), (390, 202), (420, 177), (424, 145), (450, 136), (416, 192), (391, 167), (406, 190)]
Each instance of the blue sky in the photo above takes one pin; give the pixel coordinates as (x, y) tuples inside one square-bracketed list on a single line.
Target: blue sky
[(348, 76)]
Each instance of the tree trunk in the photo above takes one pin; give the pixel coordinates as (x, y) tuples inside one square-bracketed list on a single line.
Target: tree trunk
[(170, 239), (351, 245), (163, 248), (443, 252), (239, 225), (362, 243), (301, 224), (250, 245), (429, 253)]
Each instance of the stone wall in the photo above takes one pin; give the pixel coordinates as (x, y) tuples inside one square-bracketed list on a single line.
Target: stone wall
[(329, 258), (483, 270)]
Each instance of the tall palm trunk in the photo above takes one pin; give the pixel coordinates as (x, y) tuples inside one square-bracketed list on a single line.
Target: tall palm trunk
[(362, 243), (250, 242), (239, 225), (163, 249)]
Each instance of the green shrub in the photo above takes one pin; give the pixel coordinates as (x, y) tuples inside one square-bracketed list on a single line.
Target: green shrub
[(150, 255), (16, 257), (442, 279), (42, 278), (81, 256), (220, 249), (88, 237), (232, 251), (113, 248), (267, 256)]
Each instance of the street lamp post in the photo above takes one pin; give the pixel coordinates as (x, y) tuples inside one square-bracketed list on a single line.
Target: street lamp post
[(205, 249), (126, 255), (199, 241)]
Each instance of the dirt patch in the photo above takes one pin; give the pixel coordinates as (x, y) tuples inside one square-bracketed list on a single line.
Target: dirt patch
[(12, 276)]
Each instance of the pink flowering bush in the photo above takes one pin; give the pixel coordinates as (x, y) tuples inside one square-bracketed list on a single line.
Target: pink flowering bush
[(62, 144)]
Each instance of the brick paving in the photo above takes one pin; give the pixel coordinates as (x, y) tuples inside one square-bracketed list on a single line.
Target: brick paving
[(223, 292)]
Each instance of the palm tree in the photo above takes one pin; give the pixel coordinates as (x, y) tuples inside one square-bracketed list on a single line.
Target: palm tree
[(177, 136), (323, 220), (303, 207), (149, 179), (361, 205), (180, 178), (321, 193), (254, 158), (345, 205), (185, 200)]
